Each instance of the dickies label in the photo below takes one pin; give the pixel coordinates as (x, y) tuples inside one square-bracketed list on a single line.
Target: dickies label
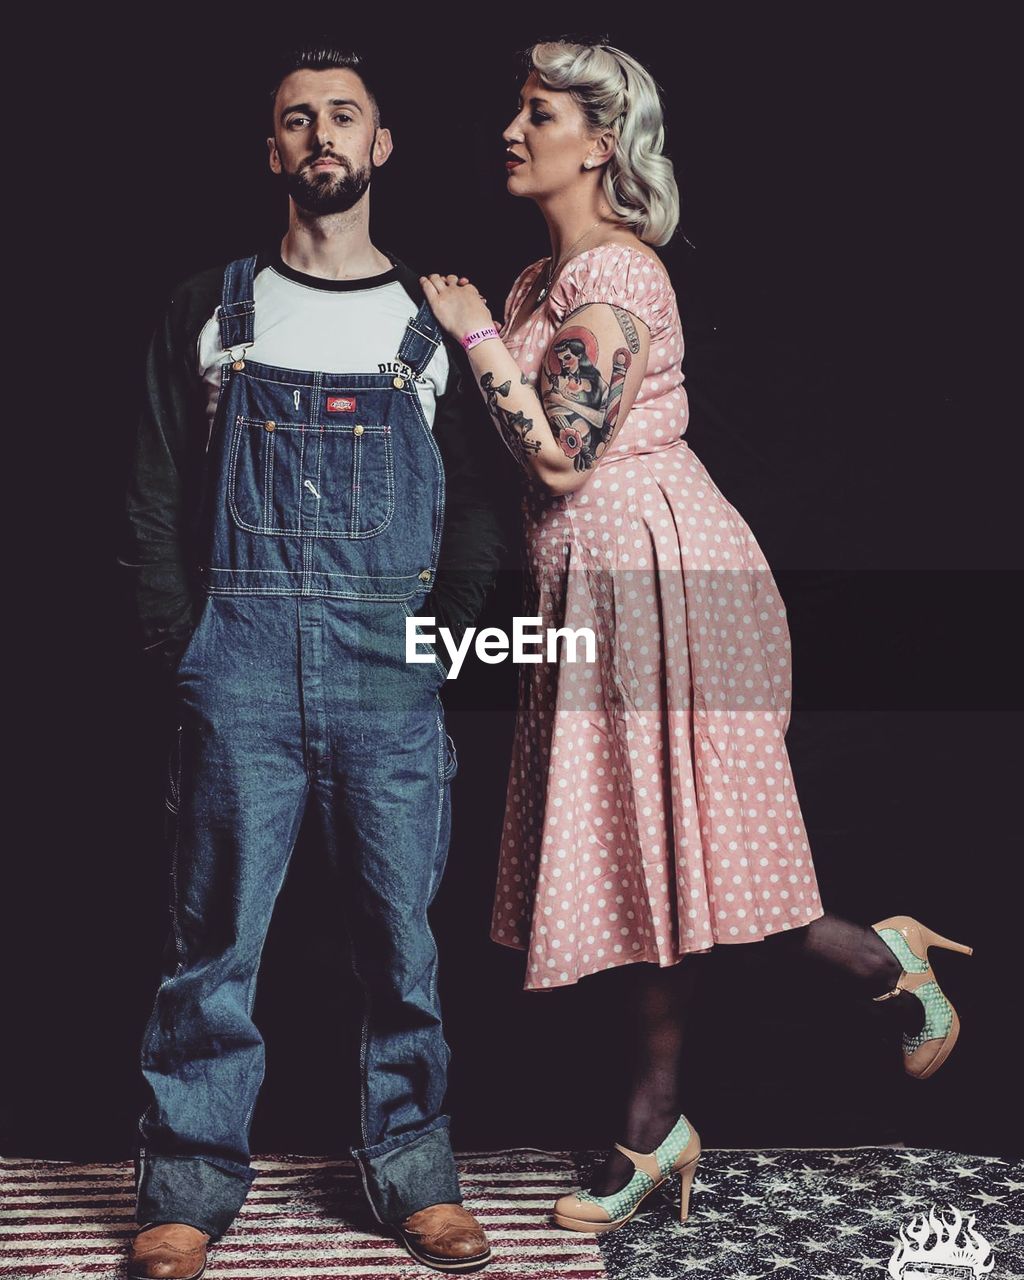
[(341, 404)]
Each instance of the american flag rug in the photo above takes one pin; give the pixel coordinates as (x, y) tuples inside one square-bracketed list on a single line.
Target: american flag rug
[(789, 1214), (304, 1217)]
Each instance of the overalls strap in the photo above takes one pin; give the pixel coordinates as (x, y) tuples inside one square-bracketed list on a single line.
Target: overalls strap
[(237, 306), (421, 339)]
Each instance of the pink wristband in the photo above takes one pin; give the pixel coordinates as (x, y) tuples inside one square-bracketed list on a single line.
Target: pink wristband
[(479, 335)]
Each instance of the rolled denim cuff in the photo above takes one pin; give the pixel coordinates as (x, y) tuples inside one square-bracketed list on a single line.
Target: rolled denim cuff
[(403, 1175), (202, 1191)]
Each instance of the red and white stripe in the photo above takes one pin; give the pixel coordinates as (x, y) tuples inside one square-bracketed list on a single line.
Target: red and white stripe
[(74, 1221)]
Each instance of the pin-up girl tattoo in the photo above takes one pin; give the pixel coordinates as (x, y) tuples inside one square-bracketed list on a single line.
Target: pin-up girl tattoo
[(581, 407)]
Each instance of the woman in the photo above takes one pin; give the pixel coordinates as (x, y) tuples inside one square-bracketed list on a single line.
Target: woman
[(651, 811)]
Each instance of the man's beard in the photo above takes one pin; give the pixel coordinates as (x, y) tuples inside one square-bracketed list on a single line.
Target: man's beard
[(333, 190)]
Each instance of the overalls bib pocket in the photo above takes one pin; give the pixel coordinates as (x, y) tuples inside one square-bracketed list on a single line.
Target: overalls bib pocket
[(335, 481)]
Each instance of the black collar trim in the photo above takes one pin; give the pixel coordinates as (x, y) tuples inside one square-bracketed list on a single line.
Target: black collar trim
[(277, 264)]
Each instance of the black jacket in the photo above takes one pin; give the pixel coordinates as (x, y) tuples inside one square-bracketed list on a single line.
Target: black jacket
[(161, 545)]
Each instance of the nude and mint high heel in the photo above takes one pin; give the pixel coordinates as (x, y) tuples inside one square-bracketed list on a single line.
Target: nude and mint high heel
[(679, 1153), (926, 1050)]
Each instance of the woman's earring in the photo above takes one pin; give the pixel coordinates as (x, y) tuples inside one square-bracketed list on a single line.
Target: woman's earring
[(588, 164)]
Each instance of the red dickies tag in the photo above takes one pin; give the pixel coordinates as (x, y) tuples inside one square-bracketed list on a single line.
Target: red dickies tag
[(341, 404)]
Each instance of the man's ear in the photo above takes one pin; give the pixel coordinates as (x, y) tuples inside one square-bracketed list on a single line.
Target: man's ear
[(382, 147), (275, 159)]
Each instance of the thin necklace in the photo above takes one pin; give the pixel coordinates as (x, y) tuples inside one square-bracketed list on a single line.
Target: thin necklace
[(553, 271)]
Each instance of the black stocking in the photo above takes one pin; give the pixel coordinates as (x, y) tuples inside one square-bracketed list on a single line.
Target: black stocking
[(657, 1001), (857, 952)]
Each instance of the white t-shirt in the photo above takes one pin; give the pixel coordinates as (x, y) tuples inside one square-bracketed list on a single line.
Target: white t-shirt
[(334, 326)]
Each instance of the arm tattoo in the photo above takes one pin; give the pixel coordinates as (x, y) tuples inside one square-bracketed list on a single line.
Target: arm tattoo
[(628, 329), (620, 367), (514, 427), (625, 324), (583, 433)]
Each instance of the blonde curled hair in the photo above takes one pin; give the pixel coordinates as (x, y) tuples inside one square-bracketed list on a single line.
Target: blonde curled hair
[(615, 92)]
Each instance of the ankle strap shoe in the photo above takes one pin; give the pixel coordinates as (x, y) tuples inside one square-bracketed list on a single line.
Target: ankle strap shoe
[(679, 1153), (926, 1050)]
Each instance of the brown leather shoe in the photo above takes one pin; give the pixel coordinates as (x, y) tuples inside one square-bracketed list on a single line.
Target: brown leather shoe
[(445, 1237), (170, 1251)]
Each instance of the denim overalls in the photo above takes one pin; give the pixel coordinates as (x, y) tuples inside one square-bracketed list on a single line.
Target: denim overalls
[(322, 521)]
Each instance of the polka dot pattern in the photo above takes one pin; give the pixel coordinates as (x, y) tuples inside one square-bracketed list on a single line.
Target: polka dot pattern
[(938, 1012), (938, 1017), (623, 1202), (650, 810), (901, 949)]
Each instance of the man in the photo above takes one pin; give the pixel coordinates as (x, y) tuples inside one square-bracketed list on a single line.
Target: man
[(305, 444)]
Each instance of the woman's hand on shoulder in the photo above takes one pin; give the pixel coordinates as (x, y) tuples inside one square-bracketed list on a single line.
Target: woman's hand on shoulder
[(457, 304)]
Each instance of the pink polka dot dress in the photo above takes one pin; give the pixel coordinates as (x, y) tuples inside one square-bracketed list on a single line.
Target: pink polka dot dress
[(651, 810)]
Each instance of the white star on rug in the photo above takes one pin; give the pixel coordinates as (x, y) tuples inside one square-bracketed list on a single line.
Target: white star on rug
[(906, 1199), (781, 1186), (699, 1185), (876, 1213), (778, 1262), (986, 1199)]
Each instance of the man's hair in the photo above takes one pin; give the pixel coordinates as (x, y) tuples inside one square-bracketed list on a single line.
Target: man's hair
[(325, 58)]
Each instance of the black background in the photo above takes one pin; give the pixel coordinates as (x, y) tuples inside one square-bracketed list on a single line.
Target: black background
[(844, 272)]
